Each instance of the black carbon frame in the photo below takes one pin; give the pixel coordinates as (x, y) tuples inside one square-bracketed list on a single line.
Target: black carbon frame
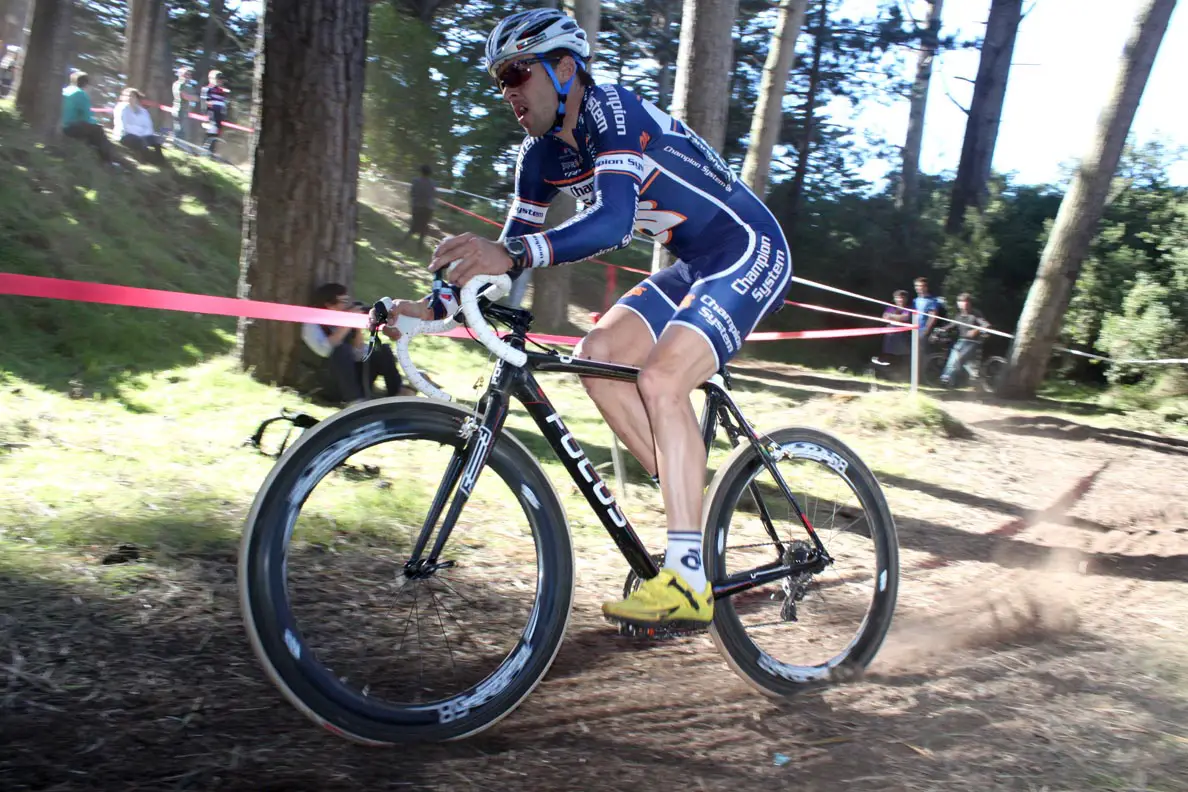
[(509, 381)]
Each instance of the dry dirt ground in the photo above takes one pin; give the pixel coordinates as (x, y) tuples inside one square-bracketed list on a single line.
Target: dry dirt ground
[(1036, 646)]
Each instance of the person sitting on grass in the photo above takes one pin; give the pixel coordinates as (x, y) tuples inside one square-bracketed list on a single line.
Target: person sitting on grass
[(77, 120), (134, 128), (345, 377)]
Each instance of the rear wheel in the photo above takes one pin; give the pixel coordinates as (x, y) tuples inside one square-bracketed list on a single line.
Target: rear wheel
[(363, 644), (808, 628), (993, 369)]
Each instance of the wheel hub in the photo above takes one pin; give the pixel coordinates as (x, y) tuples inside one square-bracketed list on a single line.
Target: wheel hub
[(423, 568)]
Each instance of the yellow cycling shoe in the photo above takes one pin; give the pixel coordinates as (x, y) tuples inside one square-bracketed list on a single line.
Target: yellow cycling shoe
[(664, 601)]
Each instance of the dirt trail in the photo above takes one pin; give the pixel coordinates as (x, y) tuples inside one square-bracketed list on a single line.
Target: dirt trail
[(1036, 646)]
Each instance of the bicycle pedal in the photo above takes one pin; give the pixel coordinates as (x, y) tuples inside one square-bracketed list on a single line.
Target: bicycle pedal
[(656, 633)]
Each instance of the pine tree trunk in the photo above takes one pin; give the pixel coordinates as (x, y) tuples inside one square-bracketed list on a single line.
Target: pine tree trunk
[(907, 192), (140, 43), (551, 292), (769, 111), (159, 87), (808, 126), (212, 36), (701, 95), (664, 55), (985, 111), (39, 95), (301, 214), (550, 286), (1076, 222)]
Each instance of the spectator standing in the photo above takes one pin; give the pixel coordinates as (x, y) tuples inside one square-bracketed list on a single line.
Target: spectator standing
[(215, 98), (134, 127), (10, 64), (78, 121), (422, 197), (927, 308), (896, 345), (184, 98)]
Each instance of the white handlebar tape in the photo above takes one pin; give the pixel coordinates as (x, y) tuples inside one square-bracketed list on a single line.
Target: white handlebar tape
[(483, 331), (410, 327), (414, 376)]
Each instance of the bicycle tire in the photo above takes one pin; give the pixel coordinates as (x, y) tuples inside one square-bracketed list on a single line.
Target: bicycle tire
[(763, 672), (934, 366), (991, 374), (273, 633)]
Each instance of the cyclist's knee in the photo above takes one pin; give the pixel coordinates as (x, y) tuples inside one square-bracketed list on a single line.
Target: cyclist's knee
[(608, 347), (660, 386)]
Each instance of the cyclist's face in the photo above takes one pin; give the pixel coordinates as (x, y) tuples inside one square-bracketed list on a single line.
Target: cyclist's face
[(528, 90)]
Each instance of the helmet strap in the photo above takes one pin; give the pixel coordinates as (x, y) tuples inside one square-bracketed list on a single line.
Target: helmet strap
[(562, 93)]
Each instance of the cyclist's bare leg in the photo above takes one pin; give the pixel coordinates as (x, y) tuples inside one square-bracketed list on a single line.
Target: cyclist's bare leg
[(679, 362), (622, 337)]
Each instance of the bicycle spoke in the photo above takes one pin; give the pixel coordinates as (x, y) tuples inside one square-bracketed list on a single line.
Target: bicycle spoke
[(453, 666)]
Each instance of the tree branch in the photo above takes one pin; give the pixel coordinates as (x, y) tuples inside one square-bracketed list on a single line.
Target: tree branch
[(954, 101)]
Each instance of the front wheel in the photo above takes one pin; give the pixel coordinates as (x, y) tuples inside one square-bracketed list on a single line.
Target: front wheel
[(379, 650), (808, 628), (934, 367)]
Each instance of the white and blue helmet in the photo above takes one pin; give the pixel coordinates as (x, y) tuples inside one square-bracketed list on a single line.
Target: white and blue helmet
[(535, 32)]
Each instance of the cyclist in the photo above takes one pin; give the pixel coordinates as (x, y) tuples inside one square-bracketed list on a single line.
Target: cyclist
[(635, 168)]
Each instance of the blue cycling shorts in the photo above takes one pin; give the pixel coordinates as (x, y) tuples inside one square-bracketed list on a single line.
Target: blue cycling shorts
[(723, 294)]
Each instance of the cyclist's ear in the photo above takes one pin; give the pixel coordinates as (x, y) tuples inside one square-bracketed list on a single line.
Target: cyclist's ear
[(565, 68)]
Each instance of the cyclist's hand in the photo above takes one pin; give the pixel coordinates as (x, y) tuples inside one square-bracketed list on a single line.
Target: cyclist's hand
[(475, 256), (414, 308)]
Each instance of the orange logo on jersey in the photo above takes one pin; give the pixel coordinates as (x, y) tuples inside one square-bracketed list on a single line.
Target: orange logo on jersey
[(685, 303), (655, 222), (644, 140), (637, 291)]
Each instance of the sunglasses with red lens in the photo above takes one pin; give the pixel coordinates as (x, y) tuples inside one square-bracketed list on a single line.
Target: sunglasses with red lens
[(516, 74)]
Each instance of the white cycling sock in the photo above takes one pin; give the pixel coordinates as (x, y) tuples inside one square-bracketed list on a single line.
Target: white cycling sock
[(684, 557)]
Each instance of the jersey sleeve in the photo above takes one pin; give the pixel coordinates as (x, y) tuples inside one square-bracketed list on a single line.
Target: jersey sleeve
[(617, 122), (533, 194)]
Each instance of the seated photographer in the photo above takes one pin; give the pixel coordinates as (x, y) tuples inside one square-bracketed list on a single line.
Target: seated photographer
[(345, 376)]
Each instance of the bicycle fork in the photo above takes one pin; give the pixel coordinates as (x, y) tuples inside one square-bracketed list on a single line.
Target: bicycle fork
[(460, 478)]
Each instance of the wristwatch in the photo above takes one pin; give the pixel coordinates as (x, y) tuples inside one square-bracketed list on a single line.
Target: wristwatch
[(518, 252)]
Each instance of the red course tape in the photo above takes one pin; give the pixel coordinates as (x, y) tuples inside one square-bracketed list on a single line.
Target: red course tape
[(135, 297)]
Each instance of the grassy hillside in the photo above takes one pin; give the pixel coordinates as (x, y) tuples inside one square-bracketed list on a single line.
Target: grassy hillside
[(65, 214)]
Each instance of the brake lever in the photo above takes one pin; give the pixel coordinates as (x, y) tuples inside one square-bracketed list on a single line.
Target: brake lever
[(377, 318)]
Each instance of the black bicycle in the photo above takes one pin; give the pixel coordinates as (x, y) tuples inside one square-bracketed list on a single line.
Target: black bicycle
[(984, 372), (420, 592)]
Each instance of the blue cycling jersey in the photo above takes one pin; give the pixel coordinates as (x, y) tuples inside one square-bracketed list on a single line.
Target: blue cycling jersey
[(637, 169)]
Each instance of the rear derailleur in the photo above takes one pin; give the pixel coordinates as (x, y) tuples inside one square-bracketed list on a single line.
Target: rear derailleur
[(794, 587)]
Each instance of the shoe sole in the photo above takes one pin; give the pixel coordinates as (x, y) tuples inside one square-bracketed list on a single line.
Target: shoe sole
[(672, 624)]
